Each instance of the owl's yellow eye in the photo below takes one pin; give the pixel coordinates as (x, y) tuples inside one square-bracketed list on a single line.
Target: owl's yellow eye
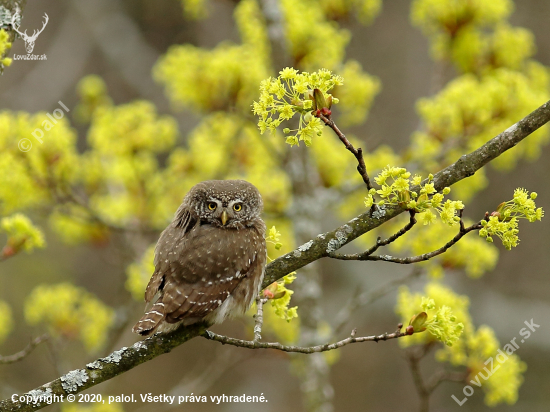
[(237, 207), (212, 206)]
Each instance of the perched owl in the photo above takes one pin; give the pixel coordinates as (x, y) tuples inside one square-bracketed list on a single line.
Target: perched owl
[(210, 261)]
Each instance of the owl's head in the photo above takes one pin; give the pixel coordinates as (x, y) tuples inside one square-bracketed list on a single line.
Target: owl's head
[(226, 203)]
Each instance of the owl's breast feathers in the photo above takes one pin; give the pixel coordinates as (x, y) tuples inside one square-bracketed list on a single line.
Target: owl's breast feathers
[(204, 272)]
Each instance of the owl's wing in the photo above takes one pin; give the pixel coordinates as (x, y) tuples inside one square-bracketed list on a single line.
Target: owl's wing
[(213, 263), (197, 269), (171, 242)]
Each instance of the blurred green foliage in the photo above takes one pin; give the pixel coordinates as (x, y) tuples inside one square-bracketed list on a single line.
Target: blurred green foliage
[(70, 311)]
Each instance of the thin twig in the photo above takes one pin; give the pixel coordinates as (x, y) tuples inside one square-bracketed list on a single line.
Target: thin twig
[(358, 153), (379, 241), (411, 259), (252, 344), (259, 319), (443, 375), (25, 352)]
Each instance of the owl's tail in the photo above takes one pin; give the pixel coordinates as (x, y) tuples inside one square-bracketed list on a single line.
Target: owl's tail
[(151, 320)]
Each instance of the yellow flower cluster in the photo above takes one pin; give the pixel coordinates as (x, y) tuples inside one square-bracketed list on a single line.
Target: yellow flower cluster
[(281, 298), (290, 93), (222, 79), (70, 312), (22, 234), (504, 221), (501, 372), (395, 190), (274, 237), (442, 324), (446, 21), (31, 174), (278, 315), (441, 319), (5, 45), (92, 92), (312, 40)]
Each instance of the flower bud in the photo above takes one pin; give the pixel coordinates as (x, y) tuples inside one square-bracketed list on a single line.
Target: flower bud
[(319, 99), (418, 322)]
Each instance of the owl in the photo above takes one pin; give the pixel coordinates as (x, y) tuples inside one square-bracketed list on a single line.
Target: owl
[(210, 261)]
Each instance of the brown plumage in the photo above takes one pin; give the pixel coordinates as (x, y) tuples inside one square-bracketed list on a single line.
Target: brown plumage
[(210, 261)]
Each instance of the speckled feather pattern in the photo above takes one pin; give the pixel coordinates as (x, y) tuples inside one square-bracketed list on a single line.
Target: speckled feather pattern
[(205, 270)]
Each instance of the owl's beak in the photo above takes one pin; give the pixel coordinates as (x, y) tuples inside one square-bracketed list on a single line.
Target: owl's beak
[(224, 217)]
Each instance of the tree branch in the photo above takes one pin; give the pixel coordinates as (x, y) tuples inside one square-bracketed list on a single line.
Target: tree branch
[(125, 359), (411, 259), (25, 352), (254, 344)]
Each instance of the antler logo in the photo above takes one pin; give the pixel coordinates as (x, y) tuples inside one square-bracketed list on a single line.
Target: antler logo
[(29, 40)]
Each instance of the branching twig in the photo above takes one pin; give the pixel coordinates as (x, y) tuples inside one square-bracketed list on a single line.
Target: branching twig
[(358, 153), (253, 344), (411, 259), (443, 375), (423, 388), (414, 364), (25, 352), (379, 242)]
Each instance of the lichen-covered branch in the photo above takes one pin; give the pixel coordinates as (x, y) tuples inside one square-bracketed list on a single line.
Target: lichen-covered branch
[(103, 369), (254, 344), (25, 352), (125, 359)]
